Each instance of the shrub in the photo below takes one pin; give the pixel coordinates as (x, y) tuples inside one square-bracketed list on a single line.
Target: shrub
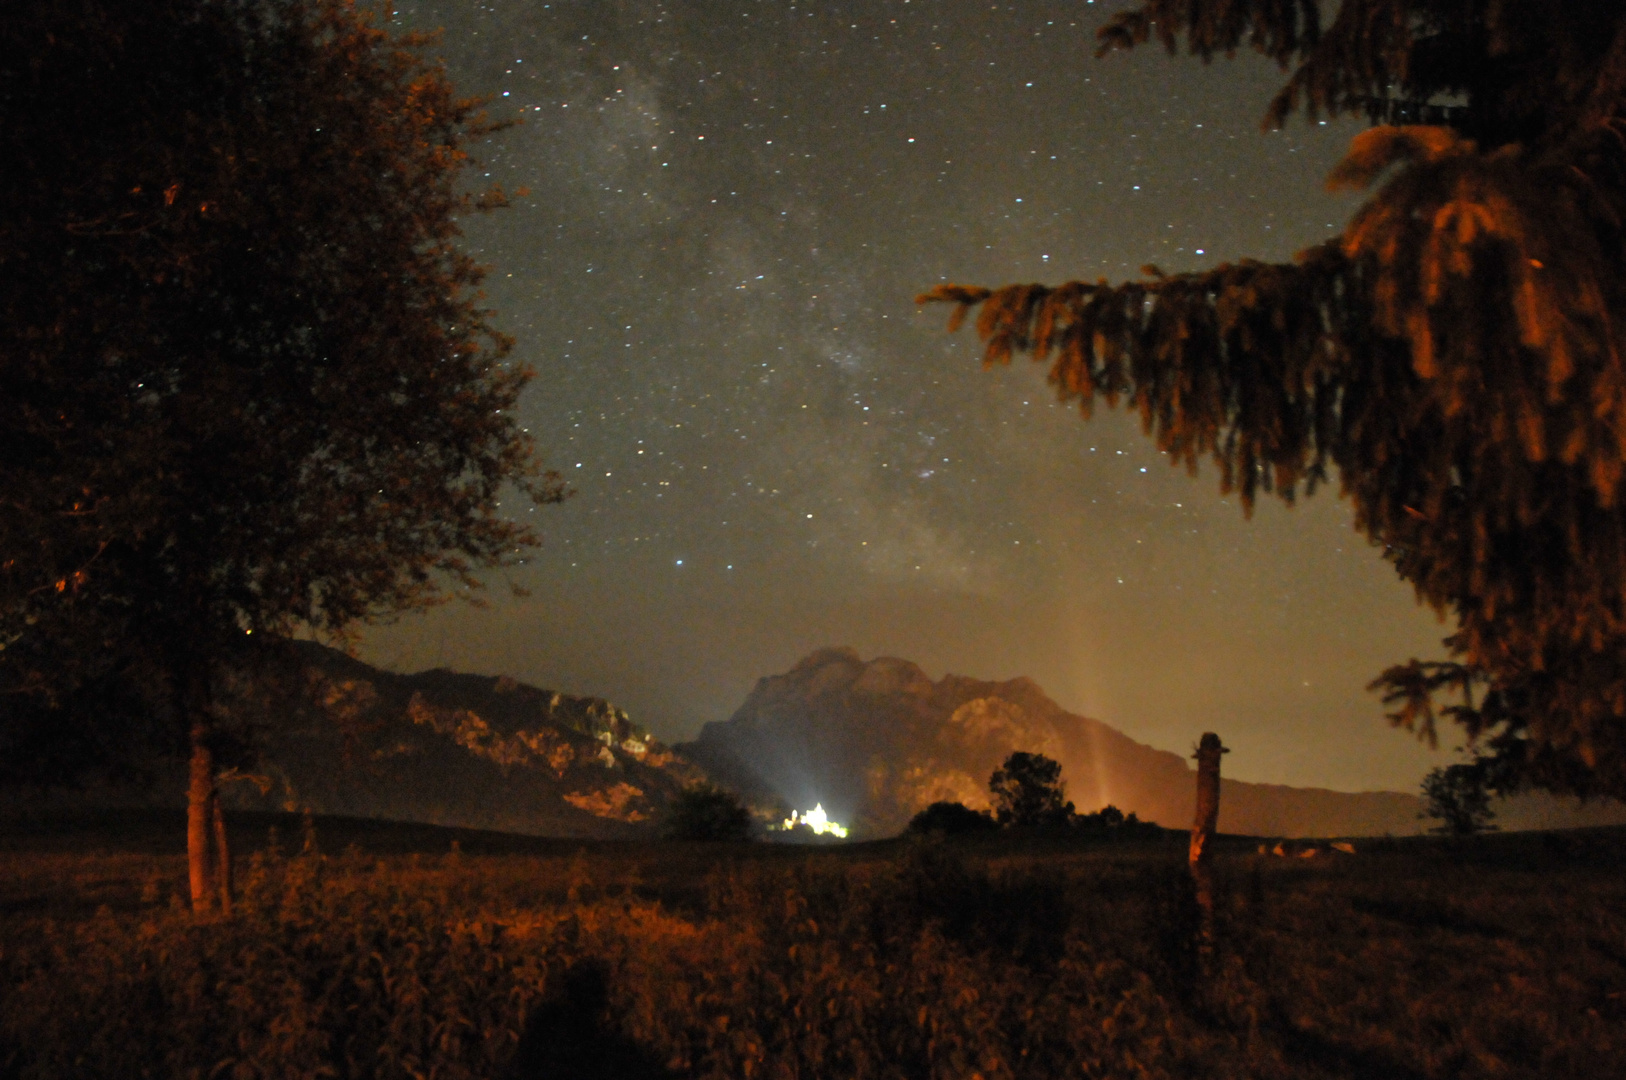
[(1108, 817), (951, 818), (706, 812)]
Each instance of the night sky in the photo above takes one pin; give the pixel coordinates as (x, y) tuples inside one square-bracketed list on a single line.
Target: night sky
[(731, 208)]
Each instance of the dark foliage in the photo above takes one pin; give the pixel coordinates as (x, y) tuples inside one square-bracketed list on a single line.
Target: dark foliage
[(951, 818), (246, 384), (97, 729), (1459, 798), (707, 812), (1029, 792), (1455, 356), (1108, 817)]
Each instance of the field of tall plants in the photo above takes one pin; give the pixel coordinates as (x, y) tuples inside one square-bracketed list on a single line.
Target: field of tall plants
[(396, 955)]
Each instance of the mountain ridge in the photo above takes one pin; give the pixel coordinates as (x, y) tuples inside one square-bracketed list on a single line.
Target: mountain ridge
[(875, 741), (871, 741)]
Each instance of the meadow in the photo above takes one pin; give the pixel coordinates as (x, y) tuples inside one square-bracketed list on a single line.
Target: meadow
[(361, 949)]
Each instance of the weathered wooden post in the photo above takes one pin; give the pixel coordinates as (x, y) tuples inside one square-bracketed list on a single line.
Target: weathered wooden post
[(1202, 835), (1208, 788)]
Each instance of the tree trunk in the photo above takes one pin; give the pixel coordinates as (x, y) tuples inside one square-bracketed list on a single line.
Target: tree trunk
[(202, 802), (208, 854), (222, 853)]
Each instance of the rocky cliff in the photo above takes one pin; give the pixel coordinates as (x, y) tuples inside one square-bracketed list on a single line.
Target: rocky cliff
[(875, 742), (451, 749)]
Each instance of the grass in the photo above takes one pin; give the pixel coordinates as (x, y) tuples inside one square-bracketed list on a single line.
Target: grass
[(384, 952)]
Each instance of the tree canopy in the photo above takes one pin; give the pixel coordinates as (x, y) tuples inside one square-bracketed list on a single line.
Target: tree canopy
[(1454, 356), (247, 386), (1028, 792), (1457, 797)]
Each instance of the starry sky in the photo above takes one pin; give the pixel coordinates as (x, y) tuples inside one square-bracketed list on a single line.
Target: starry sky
[(730, 208)]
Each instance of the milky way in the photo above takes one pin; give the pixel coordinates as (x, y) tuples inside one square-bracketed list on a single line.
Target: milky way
[(729, 208)]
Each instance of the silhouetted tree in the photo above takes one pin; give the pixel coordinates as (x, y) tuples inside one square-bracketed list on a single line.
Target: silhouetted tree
[(952, 818), (1455, 355), (1459, 798), (706, 812), (1028, 792), (246, 384)]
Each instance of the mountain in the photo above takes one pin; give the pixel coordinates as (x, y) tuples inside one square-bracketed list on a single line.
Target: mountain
[(446, 748), (874, 742)]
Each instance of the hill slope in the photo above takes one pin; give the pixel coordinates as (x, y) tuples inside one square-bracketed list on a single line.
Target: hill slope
[(474, 751), (329, 734)]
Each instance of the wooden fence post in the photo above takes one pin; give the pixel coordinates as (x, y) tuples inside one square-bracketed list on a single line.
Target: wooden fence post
[(1202, 834)]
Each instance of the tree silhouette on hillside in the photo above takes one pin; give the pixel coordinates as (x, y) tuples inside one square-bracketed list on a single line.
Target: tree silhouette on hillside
[(1457, 797), (1029, 792)]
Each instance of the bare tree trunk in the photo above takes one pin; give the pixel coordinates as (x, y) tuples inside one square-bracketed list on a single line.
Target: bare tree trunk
[(201, 805), (222, 853), (1202, 834), (208, 855)]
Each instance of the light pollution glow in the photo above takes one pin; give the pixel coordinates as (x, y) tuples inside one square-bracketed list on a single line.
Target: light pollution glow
[(817, 820)]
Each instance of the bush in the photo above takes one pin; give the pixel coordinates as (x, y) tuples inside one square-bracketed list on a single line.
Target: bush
[(951, 818), (706, 812), (1108, 817)]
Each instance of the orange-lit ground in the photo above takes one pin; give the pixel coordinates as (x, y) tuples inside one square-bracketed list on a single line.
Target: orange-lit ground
[(386, 953)]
